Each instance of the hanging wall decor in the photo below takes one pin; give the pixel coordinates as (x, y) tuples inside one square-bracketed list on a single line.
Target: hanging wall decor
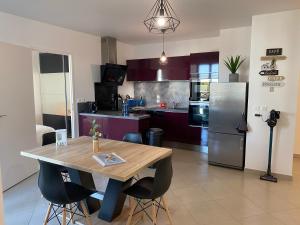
[(270, 69)]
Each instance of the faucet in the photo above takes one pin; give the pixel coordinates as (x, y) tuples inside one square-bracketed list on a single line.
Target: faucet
[(174, 105)]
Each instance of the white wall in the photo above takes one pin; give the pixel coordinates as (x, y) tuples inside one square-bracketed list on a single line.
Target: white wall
[(84, 49), (124, 52), (297, 142), (177, 48), (279, 30), (37, 87), (235, 41), (1, 202)]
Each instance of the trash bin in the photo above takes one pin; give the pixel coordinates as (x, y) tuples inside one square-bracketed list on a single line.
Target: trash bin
[(155, 136)]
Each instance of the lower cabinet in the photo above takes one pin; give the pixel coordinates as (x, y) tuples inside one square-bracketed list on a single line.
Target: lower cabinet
[(176, 127), (112, 128)]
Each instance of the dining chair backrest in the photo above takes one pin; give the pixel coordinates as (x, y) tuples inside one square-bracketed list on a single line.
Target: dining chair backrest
[(163, 177), (49, 138), (133, 137), (51, 183)]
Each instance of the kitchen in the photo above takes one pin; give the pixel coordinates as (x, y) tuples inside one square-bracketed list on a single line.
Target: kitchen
[(175, 89), (172, 96)]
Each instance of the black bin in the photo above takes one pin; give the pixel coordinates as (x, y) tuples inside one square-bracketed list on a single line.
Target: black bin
[(155, 136)]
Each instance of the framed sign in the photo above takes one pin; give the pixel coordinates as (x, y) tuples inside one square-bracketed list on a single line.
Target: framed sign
[(274, 51), (61, 137)]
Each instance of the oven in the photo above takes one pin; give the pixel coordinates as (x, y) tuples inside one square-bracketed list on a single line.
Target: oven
[(198, 113), (199, 90)]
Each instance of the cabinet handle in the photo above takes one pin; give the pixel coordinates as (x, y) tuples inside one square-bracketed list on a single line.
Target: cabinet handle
[(2, 116)]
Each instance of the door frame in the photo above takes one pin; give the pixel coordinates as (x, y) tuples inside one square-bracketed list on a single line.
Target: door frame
[(71, 84)]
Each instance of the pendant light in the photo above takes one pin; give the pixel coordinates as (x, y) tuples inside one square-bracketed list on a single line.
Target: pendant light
[(161, 18), (163, 58)]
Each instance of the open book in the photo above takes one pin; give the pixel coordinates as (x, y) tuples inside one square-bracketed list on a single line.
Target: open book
[(108, 159)]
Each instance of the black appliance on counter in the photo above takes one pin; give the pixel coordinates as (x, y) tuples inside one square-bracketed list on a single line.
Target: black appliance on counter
[(113, 74), (87, 107), (106, 96)]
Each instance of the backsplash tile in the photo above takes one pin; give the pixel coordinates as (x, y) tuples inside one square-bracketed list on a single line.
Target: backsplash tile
[(168, 91)]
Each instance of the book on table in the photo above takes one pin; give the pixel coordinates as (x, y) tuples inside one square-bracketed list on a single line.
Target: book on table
[(108, 159)]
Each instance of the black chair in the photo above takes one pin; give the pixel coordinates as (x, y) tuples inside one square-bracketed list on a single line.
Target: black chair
[(60, 194), (50, 138), (133, 137), (151, 189)]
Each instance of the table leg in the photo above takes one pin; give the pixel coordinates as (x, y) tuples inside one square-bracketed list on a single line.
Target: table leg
[(85, 179), (114, 199)]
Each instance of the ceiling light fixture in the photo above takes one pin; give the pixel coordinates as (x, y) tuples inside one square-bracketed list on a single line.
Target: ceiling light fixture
[(161, 18), (163, 58)]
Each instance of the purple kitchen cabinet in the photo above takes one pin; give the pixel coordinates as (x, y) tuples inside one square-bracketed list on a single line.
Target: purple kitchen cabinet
[(176, 127), (177, 68), (141, 70), (113, 128), (202, 58)]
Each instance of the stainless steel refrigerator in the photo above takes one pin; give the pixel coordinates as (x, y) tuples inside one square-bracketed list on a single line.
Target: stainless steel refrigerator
[(227, 110)]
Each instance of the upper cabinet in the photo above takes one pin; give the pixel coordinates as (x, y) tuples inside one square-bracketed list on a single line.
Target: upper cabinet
[(177, 68), (204, 66)]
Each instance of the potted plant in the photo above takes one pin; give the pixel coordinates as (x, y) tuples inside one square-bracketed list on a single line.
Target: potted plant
[(94, 132), (233, 64)]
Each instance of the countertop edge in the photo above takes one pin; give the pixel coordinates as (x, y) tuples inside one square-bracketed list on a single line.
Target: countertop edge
[(130, 117)]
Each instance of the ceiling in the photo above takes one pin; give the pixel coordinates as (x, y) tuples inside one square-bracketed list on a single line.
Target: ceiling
[(123, 19)]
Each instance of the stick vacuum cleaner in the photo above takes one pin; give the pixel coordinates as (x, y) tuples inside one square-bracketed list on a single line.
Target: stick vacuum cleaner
[(272, 121)]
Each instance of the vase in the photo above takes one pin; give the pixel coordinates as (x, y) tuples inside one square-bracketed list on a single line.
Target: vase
[(234, 77), (96, 148)]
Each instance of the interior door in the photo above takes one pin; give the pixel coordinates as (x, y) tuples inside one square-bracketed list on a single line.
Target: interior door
[(17, 123)]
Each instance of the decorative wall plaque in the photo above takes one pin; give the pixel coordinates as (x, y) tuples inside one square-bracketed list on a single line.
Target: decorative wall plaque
[(276, 78), (274, 51)]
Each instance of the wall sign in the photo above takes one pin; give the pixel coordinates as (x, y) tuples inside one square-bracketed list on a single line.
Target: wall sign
[(273, 84), (276, 78), (274, 51), (270, 70)]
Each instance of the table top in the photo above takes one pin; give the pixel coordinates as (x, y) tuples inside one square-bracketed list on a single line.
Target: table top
[(79, 151)]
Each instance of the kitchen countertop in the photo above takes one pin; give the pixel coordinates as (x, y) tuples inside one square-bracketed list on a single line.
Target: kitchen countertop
[(157, 109), (117, 114)]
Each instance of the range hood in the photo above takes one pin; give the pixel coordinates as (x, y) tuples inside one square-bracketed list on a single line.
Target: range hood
[(111, 72)]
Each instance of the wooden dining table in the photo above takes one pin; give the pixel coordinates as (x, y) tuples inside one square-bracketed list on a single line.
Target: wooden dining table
[(77, 157)]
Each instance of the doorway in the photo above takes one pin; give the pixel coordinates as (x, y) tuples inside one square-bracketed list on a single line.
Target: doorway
[(53, 93)]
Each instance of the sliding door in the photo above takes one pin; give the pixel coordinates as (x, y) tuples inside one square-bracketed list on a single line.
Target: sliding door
[(17, 120)]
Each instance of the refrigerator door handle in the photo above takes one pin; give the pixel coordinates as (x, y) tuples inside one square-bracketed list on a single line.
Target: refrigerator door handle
[(242, 124), (241, 143)]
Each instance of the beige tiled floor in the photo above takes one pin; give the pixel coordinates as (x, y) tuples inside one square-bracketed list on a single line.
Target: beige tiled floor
[(200, 195)]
